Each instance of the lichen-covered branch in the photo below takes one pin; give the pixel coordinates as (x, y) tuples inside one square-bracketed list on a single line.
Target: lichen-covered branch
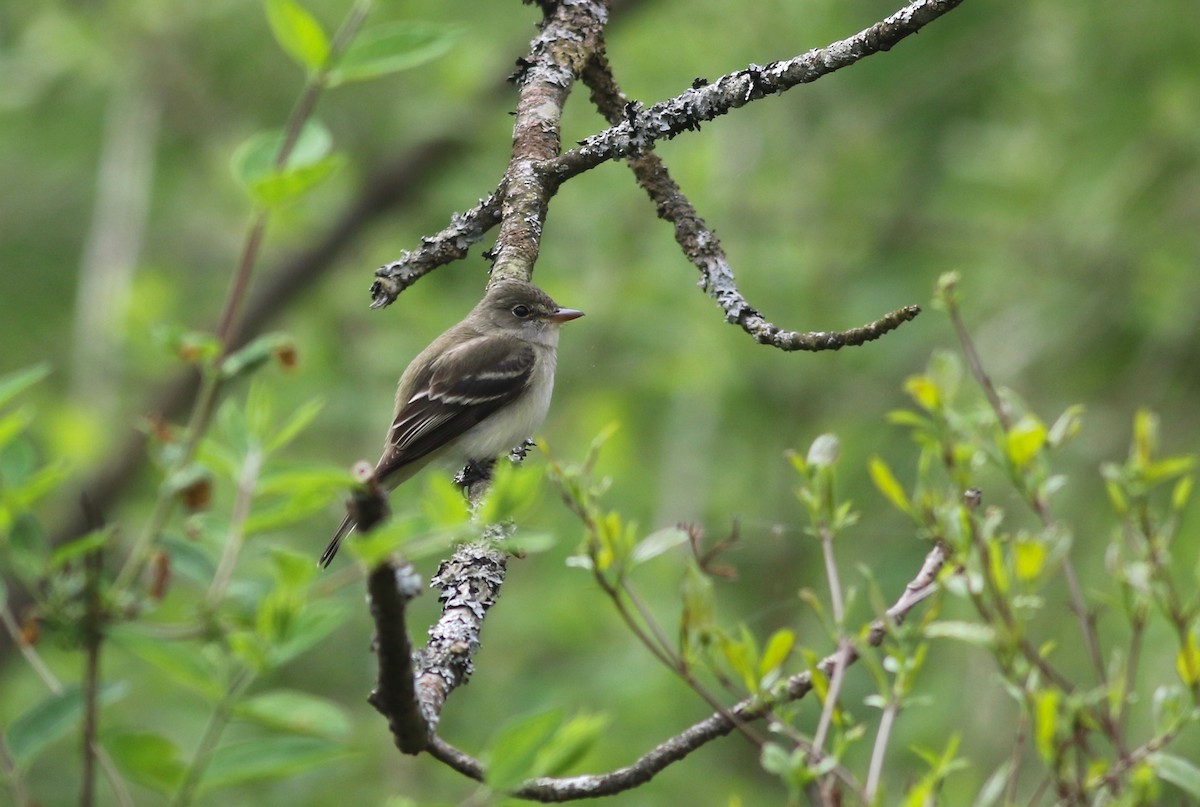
[(569, 36), (642, 128), (448, 245), (717, 725), (702, 247)]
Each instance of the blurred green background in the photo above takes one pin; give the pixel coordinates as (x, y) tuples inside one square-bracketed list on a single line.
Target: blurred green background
[(1048, 152)]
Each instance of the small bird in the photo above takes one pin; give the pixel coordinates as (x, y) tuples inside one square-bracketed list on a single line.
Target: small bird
[(480, 389)]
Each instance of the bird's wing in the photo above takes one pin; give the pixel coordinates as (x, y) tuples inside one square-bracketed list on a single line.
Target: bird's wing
[(459, 390)]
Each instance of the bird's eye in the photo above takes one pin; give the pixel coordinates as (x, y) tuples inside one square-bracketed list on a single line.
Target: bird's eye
[(520, 311)]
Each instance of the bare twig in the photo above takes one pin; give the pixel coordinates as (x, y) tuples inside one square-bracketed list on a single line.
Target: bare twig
[(93, 636), (703, 248), (389, 589)]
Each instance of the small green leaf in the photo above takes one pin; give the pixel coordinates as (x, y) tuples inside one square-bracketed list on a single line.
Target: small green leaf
[(570, 744), (51, 719), (76, 549), (1181, 493), (1145, 437), (182, 662), (1046, 724), (656, 543), (741, 656), (254, 354), (1030, 559), (297, 712), (1024, 441), (268, 758), (1178, 771), (309, 627), (995, 786), (515, 751), (297, 422), (888, 485), (1187, 662), (298, 33), (390, 48), (969, 632), (255, 164), (924, 392), (779, 646), (1066, 427), (148, 759), (13, 384), (511, 494), (299, 506)]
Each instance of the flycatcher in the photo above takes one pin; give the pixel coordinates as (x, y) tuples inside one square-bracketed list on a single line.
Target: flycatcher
[(480, 389)]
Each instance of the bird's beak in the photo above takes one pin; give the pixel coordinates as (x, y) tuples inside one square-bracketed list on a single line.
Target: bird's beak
[(565, 315)]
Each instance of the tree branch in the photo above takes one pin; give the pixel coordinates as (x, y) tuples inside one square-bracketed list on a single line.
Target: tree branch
[(702, 247), (718, 725), (642, 128), (390, 587)]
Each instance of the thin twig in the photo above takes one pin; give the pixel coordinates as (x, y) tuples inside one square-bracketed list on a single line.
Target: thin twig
[(703, 248), (642, 128), (711, 728), (879, 751), (93, 636)]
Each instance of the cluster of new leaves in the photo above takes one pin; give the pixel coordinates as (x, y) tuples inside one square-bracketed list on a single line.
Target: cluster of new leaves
[(1101, 734)]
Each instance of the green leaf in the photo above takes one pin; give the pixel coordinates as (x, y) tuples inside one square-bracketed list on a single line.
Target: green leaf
[(1046, 724), (13, 424), (298, 33), (1181, 493), (924, 391), (656, 543), (391, 47), (1179, 772), (299, 506), (268, 758), (969, 632), (516, 749), (779, 646), (76, 549), (13, 384), (888, 485), (297, 422), (571, 743), (148, 759), (318, 619), (1187, 662), (182, 662), (1029, 559), (1066, 427), (326, 479), (254, 355), (297, 712), (995, 786), (51, 719), (1024, 441), (310, 163), (742, 657), (511, 494)]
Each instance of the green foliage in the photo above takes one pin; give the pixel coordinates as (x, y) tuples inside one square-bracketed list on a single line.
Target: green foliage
[(272, 180), (1060, 180), (390, 48)]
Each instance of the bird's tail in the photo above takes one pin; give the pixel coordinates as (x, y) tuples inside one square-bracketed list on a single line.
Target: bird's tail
[(342, 531)]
